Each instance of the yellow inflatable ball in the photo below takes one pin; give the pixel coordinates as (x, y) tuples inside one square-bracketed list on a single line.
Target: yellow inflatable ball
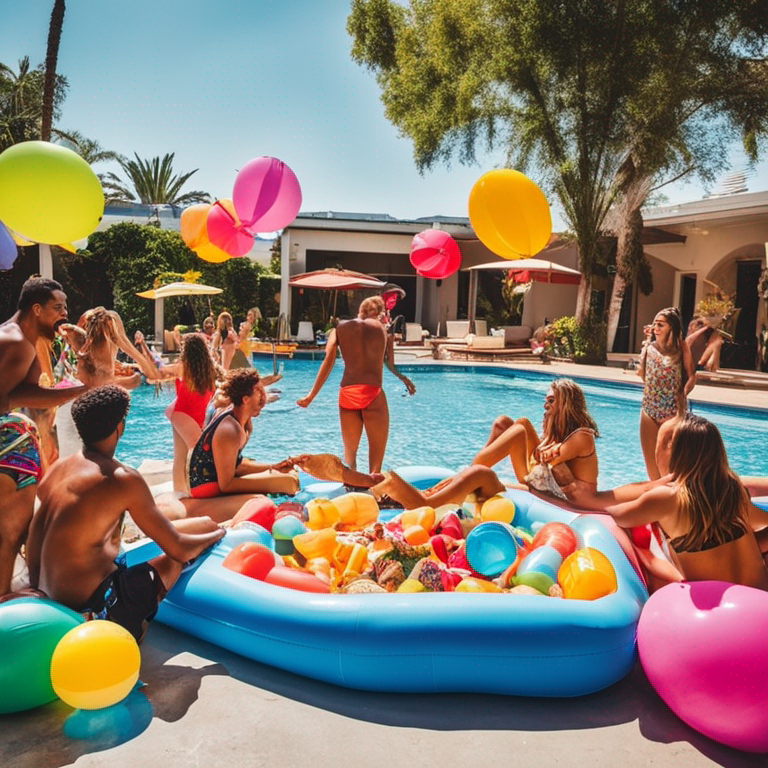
[(48, 193), (95, 665), (510, 214), (471, 584), (499, 509), (587, 574), (356, 510), (321, 513), (422, 516), (411, 585)]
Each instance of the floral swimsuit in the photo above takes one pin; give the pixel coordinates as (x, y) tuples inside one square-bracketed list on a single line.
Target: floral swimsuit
[(663, 382)]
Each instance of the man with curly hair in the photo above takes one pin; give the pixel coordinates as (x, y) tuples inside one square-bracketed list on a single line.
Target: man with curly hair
[(73, 549)]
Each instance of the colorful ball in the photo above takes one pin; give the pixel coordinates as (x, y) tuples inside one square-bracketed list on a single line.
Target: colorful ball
[(434, 253), (30, 630), (510, 214), (587, 574), (95, 665), (48, 193), (499, 509)]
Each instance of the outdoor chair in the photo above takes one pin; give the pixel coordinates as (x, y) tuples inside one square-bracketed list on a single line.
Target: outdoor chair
[(414, 334), (456, 329), (306, 334), (481, 327)]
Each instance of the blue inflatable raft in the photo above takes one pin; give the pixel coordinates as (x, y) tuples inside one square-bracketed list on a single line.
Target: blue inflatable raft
[(425, 642)]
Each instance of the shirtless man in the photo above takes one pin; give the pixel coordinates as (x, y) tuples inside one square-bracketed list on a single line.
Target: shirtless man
[(74, 540), (366, 348), (42, 307)]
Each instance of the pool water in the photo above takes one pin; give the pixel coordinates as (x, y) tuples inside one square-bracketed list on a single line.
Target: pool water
[(446, 422)]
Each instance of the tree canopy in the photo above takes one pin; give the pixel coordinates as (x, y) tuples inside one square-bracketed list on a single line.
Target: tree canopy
[(570, 89)]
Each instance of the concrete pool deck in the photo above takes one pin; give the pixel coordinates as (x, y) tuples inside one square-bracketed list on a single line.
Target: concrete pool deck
[(205, 706)]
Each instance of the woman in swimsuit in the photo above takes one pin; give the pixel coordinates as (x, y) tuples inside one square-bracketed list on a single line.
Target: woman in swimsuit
[(708, 526), (565, 450), (225, 340), (196, 375), (666, 368)]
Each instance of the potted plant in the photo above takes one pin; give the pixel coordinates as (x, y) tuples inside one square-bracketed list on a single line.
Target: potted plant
[(715, 307)]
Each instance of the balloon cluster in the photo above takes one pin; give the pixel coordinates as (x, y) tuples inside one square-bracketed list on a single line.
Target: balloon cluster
[(48, 194), (435, 253), (266, 197)]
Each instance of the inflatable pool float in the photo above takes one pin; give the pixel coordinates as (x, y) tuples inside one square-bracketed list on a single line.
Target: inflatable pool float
[(702, 646), (425, 642)]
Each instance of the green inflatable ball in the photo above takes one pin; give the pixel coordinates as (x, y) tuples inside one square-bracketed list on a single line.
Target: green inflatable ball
[(30, 630), (48, 193)]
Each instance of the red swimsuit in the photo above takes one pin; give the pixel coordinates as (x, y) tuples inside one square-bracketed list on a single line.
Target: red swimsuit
[(192, 403)]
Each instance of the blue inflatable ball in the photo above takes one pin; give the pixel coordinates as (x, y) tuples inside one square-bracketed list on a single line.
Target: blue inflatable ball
[(30, 630)]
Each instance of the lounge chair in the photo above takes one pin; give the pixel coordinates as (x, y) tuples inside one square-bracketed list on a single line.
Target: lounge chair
[(414, 334), (456, 329), (517, 335), (306, 334), (481, 327)]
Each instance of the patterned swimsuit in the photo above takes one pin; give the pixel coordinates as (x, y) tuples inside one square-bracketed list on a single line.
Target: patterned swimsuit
[(663, 382)]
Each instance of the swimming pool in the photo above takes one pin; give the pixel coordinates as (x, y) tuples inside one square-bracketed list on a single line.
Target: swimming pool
[(447, 421)]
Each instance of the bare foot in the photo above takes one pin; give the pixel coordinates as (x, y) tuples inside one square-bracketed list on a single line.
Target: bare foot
[(326, 466), (395, 487)]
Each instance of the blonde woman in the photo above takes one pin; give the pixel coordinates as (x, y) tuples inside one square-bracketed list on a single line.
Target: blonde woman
[(565, 451), (225, 340)]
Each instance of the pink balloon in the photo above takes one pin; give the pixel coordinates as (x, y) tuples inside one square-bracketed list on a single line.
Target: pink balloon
[(702, 646), (225, 231), (267, 195), (435, 253)]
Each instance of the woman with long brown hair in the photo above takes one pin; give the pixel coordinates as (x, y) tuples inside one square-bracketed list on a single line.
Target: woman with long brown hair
[(196, 374), (667, 370), (703, 510), (565, 450), (225, 340)]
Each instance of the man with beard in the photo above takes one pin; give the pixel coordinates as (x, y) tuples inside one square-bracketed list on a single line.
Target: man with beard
[(42, 307)]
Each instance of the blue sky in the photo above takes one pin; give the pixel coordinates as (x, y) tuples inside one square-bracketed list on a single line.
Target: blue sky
[(221, 81)]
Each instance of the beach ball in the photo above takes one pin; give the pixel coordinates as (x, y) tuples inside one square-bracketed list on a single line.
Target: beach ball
[(498, 508), (702, 646), (30, 630), (225, 230), (558, 535), (48, 193), (509, 214), (587, 574), (8, 249), (435, 253), (95, 665), (266, 194)]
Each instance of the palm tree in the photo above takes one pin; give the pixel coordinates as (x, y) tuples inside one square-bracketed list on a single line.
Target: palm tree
[(51, 59), (152, 182)]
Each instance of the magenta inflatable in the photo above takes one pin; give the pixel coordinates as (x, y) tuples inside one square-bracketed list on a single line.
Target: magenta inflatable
[(703, 647), (435, 253), (227, 233), (267, 195)]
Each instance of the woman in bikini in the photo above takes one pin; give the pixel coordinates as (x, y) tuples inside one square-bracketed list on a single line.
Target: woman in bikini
[(666, 368), (225, 340), (708, 527), (565, 450), (196, 374)]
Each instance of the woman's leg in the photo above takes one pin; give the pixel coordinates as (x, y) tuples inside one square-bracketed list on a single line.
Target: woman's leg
[(649, 431), (186, 433), (376, 423), (351, 422), (517, 441)]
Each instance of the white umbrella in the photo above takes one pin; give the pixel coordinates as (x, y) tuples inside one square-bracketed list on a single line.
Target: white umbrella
[(180, 289)]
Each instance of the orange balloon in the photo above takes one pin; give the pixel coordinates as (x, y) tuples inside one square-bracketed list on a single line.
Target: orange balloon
[(209, 252), (192, 225)]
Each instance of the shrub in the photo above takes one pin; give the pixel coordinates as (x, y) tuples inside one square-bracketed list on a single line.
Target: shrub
[(582, 342)]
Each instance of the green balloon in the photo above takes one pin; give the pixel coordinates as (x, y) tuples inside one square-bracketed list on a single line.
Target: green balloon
[(48, 193), (30, 630), (534, 579)]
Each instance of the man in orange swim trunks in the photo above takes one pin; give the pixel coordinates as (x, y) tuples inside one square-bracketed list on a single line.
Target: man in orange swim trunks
[(366, 348)]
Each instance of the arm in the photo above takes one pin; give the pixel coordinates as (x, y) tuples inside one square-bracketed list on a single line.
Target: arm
[(652, 506), (179, 546), (389, 361), (584, 495), (226, 442), (689, 367), (331, 348), (641, 364), (29, 393), (575, 446), (147, 366)]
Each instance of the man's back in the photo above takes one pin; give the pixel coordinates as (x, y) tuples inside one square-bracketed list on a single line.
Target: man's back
[(362, 344), (75, 535)]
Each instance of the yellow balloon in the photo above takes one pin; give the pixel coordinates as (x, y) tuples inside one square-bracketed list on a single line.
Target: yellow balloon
[(587, 574), (95, 665), (499, 509), (209, 252), (19, 240), (510, 214), (48, 193), (192, 225)]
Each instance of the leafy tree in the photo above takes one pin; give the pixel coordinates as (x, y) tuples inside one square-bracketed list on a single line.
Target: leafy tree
[(563, 87), (51, 60), (276, 256), (152, 182), (21, 102)]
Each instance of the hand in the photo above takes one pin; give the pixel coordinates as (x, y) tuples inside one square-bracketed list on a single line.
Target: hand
[(409, 385), (304, 401), (138, 337), (286, 465), (547, 455), (580, 493)]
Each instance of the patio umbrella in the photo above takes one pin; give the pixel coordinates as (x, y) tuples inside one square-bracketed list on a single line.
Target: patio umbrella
[(537, 270), (180, 289), (335, 280)]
